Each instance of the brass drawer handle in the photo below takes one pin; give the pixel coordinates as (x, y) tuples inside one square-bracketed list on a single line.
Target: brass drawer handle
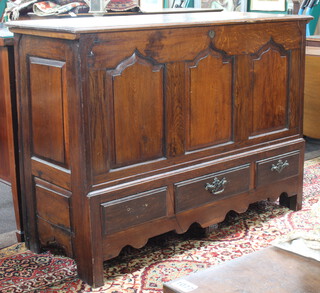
[(217, 186), (280, 166)]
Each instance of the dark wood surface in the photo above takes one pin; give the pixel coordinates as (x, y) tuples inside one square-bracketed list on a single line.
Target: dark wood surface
[(123, 124), (266, 271), (8, 127)]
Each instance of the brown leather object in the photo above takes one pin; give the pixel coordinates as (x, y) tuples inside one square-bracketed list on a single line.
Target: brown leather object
[(121, 5)]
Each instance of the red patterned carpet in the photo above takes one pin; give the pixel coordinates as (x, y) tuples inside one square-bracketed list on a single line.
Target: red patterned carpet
[(167, 257)]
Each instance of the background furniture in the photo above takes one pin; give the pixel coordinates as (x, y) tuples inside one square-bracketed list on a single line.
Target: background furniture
[(8, 126), (262, 271), (138, 125), (311, 122), (6, 139)]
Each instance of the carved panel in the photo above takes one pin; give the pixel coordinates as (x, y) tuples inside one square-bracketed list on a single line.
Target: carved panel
[(136, 86), (49, 110), (270, 90), (210, 100)]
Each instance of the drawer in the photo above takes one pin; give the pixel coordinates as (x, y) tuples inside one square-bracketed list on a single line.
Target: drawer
[(211, 187), (133, 210), (277, 168)]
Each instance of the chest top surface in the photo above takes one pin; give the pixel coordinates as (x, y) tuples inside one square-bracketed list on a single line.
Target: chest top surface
[(152, 21)]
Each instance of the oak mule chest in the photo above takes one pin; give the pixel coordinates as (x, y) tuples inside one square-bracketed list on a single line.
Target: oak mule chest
[(133, 126)]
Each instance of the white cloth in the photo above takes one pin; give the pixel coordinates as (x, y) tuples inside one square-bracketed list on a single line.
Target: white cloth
[(306, 244)]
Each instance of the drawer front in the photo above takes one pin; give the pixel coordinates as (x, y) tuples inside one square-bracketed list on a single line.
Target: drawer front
[(208, 188), (133, 210), (277, 168)]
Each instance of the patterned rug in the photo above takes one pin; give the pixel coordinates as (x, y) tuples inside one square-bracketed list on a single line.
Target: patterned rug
[(165, 257)]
